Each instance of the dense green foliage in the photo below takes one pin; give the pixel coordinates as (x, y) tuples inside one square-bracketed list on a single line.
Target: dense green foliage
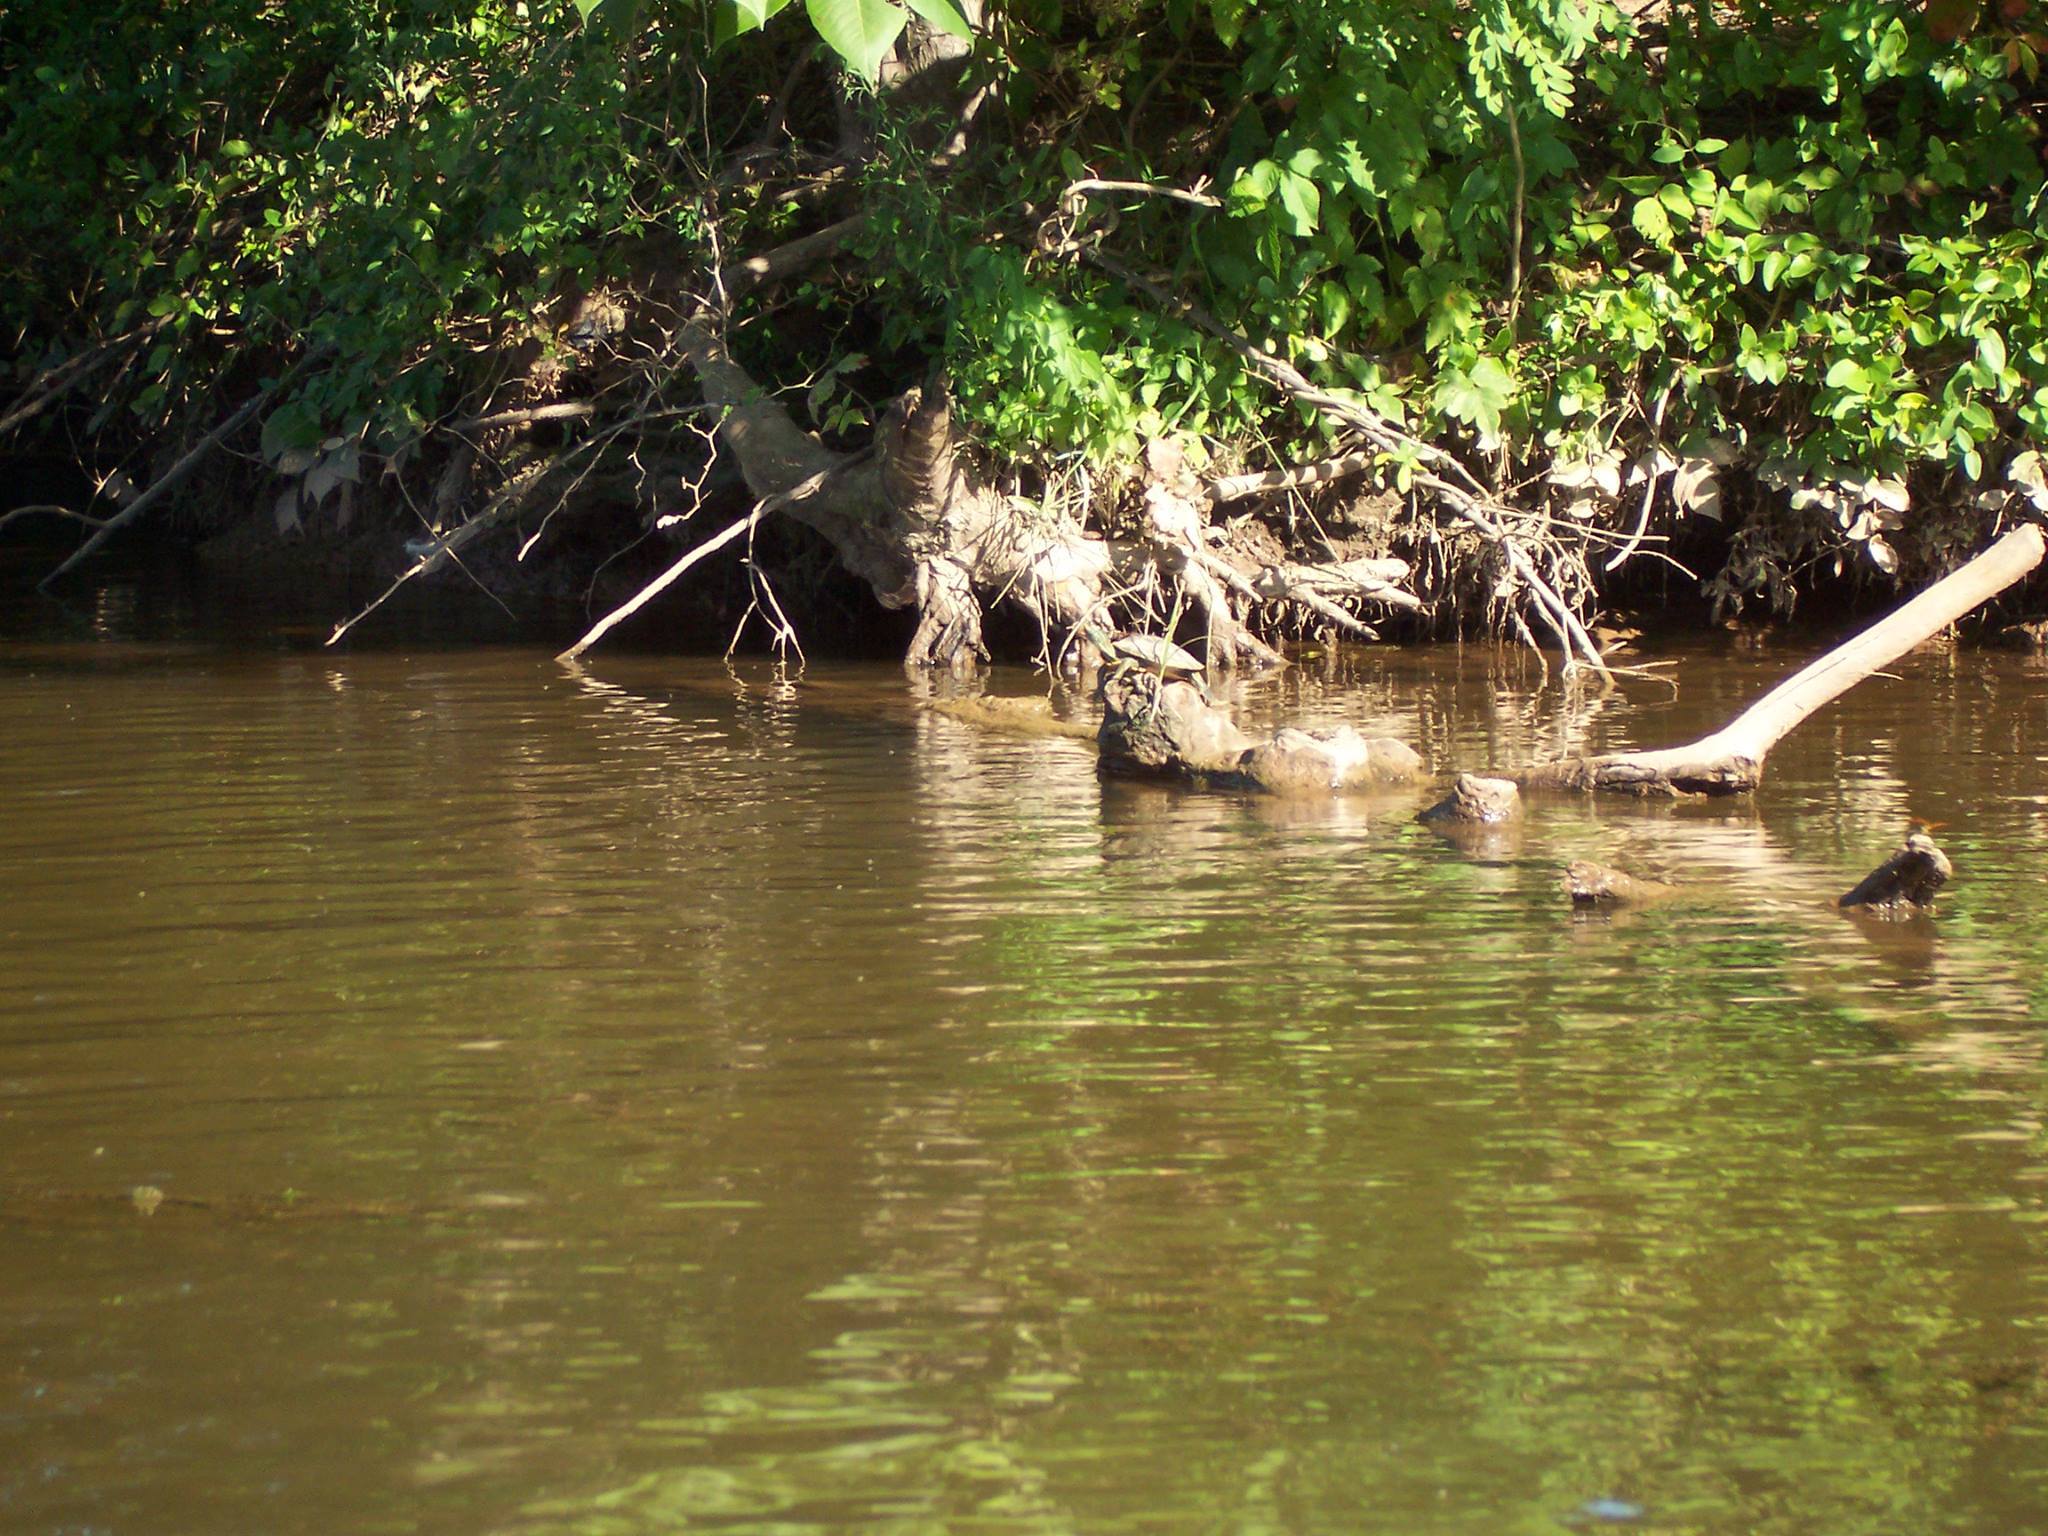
[(396, 183), (1813, 234), (1805, 239)]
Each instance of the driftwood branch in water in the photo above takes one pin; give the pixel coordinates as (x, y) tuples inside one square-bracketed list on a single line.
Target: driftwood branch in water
[(1731, 760), (669, 577)]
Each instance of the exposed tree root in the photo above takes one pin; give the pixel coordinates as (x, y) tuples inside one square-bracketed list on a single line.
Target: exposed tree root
[(1433, 470), (914, 522)]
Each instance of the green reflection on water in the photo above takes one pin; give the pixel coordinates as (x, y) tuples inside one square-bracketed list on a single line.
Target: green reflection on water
[(704, 1108)]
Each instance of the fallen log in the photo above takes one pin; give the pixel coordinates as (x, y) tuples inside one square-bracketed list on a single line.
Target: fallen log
[(1731, 761)]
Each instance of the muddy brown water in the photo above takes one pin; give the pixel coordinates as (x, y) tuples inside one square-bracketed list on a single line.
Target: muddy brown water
[(666, 1097)]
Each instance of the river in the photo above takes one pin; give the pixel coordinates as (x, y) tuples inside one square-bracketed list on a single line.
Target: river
[(441, 1091)]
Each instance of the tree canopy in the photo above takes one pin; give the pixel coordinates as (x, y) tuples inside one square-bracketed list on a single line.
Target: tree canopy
[(1766, 270)]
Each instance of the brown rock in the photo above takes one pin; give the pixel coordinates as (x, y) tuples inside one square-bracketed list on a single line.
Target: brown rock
[(1297, 762), (1154, 727), (1597, 885), (1170, 729), (1476, 799)]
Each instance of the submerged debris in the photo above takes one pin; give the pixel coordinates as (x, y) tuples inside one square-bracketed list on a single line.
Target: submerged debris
[(1599, 885), (1904, 883)]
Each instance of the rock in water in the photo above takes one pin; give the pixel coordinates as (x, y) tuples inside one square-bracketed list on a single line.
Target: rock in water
[(1298, 762), (1904, 883), (1596, 885), (1149, 726), (1168, 728), (1477, 800)]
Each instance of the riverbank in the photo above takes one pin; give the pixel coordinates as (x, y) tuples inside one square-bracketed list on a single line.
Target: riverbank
[(1158, 319)]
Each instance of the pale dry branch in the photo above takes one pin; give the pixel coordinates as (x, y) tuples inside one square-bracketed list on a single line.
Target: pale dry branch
[(669, 577), (507, 501), (1731, 760), (1237, 487)]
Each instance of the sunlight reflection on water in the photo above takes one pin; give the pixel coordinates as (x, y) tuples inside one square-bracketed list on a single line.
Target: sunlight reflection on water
[(600, 1101)]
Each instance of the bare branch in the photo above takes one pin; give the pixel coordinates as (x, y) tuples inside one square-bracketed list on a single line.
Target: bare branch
[(567, 410), (175, 476), (674, 573), (1732, 759), (47, 510), (1237, 487)]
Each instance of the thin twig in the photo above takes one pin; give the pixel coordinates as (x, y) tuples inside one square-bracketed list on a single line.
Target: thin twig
[(674, 573), (1515, 231), (55, 383), (176, 474), (1649, 491), (46, 510), (507, 500)]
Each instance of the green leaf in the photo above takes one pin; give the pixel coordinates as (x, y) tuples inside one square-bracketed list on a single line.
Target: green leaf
[(289, 427), (1849, 374), (585, 7), (750, 16), (1303, 200), (943, 15), (859, 31), (1991, 350), (1651, 221), (1477, 395)]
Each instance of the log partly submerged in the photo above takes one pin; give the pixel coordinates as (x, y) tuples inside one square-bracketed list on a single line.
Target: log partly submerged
[(1731, 761)]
